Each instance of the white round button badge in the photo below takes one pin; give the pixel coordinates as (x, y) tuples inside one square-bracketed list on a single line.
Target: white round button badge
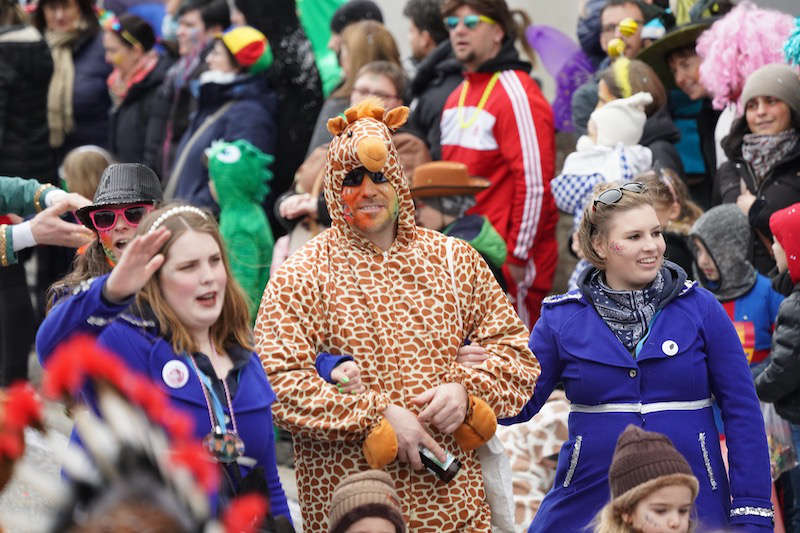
[(175, 374), (669, 347)]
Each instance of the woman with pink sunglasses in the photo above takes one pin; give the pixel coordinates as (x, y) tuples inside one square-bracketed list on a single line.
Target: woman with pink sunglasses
[(77, 303)]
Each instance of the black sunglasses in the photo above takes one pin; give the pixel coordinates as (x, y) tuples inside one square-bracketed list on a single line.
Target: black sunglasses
[(356, 176), (612, 196)]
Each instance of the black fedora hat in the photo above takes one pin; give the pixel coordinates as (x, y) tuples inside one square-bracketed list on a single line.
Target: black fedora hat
[(123, 183)]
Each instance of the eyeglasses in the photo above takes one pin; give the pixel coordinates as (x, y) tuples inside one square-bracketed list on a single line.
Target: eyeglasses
[(356, 176), (470, 21), (378, 94), (612, 196), (106, 219)]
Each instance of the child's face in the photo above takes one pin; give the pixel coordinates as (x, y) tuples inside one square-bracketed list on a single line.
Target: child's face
[(663, 511), (780, 256), (704, 260)]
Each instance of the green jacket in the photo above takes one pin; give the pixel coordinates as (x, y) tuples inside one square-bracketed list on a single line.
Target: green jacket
[(21, 197), (239, 173)]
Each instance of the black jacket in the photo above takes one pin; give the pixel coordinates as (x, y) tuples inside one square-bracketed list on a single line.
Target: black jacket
[(436, 78), (779, 189), (171, 111), (780, 381), (129, 122), (660, 135), (25, 70)]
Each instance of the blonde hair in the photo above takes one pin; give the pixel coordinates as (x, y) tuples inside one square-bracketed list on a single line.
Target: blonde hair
[(626, 77), (666, 187), (610, 519), (233, 325), (596, 221), (83, 167), (366, 41)]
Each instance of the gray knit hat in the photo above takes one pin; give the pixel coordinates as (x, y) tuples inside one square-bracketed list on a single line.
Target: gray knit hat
[(362, 495), (123, 183), (777, 80), (642, 457)]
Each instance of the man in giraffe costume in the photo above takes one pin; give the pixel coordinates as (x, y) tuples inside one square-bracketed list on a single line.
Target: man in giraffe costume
[(401, 300)]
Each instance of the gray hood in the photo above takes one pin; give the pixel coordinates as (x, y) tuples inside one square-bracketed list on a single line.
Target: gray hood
[(725, 232)]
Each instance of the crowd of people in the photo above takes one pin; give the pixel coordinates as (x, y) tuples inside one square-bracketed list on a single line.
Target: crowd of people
[(254, 221)]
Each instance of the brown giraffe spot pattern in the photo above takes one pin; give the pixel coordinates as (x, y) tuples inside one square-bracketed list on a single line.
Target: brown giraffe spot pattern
[(395, 312)]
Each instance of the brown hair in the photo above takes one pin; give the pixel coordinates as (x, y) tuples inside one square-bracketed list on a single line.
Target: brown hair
[(595, 221), (642, 78), (233, 324), (87, 265), (666, 187), (610, 519), (83, 167), (497, 10), (366, 41), (11, 14), (86, 7), (392, 71)]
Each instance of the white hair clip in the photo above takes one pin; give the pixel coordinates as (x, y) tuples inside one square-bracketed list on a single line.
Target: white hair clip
[(175, 211)]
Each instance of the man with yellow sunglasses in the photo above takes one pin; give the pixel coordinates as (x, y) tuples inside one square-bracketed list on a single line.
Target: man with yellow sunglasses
[(498, 123)]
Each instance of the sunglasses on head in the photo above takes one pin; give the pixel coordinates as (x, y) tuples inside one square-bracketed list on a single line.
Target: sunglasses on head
[(612, 196), (106, 218), (470, 21), (356, 176)]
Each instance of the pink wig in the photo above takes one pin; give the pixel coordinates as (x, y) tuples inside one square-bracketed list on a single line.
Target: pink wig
[(735, 46)]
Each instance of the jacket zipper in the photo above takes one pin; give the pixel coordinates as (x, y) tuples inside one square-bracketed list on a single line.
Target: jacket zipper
[(573, 461), (707, 461)]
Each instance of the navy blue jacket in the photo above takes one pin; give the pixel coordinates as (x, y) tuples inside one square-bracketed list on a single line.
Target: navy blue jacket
[(691, 353), (90, 100), (251, 117), (138, 343)]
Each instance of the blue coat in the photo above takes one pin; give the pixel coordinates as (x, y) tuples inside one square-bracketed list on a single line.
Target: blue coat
[(250, 117), (144, 351), (690, 353)]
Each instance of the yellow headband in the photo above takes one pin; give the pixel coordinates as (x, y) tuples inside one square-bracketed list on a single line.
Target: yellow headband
[(622, 76)]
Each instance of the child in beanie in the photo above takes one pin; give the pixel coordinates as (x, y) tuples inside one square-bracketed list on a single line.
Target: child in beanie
[(780, 380), (652, 486), (610, 152), (366, 502)]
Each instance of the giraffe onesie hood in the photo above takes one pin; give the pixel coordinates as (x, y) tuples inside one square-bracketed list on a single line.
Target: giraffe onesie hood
[(402, 316)]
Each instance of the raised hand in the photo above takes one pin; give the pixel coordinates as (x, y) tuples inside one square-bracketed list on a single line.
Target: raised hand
[(446, 406), (410, 434), (138, 263)]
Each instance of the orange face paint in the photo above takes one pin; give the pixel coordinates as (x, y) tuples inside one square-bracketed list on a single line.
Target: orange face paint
[(370, 209)]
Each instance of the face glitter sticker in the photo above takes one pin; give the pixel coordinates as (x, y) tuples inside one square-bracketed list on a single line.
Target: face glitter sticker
[(669, 347), (175, 374)]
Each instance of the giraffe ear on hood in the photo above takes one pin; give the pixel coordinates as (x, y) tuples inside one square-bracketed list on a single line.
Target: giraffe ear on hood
[(336, 125), (396, 117)]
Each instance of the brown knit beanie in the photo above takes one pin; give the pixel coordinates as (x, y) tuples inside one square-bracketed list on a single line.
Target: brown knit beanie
[(642, 456), (362, 495), (777, 80)]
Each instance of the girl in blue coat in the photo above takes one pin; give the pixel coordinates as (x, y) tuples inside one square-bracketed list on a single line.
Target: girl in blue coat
[(173, 312), (639, 344)]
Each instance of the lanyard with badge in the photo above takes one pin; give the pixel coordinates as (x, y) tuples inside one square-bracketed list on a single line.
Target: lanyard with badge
[(226, 446)]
